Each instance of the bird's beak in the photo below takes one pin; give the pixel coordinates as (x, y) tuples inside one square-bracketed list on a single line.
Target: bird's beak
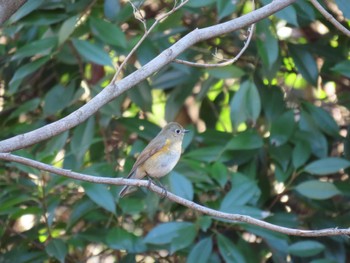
[(185, 131)]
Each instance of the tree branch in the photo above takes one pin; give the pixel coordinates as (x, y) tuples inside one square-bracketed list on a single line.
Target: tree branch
[(330, 18), (175, 198), (113, 90), (145, 35), (226, 62)]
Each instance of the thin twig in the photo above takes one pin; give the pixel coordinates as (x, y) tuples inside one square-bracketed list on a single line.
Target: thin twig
[(226, 62), (330, 18), (156, 22), (202, 209), (141, 18)]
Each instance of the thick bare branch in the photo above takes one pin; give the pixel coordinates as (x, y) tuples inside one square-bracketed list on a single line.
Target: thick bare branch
[(205, 210), (115, 89), (330, 18), (8, 8)]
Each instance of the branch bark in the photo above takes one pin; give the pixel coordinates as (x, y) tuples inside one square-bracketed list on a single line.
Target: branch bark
[(192, 205), (113, 90), (330, 18), (8, 8)]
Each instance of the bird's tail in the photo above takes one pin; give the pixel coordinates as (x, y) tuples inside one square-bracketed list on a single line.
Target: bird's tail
[(126, 190)]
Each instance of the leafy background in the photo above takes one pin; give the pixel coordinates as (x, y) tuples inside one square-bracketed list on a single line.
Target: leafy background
[(268, 134)]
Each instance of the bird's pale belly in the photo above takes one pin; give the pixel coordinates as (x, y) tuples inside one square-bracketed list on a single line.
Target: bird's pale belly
[(163, 165)]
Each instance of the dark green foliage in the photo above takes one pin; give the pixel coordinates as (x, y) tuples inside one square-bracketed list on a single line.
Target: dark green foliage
[(267, 135)]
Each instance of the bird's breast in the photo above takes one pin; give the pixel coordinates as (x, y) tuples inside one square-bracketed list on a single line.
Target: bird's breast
[(164, 161)]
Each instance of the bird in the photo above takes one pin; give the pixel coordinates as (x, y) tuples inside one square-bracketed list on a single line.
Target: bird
[(159, 157)]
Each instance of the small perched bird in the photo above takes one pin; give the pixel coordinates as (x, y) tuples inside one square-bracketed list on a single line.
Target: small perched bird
[(159, 157)]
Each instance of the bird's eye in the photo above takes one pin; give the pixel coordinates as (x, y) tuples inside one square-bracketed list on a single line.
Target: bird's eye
[(178, 131)]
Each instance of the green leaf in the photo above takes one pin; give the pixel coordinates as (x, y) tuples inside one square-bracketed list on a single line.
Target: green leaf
[(141, 95), (267, 43), (246, 140), (67, 28), (229, 72), (199, 3), (327, 166), (228, 250), (100, 195), (44, 18), (25, 108), (132, 205), (24, 71), (322, 119), (343, 6), (204, 222), (219, 173), (111, 9), (225, 8), (169, 79), (82, 138), (107, 32), (179, 242), (92, 52), (306, 248), (25, 9), (201, 251), (243, 191), (305, 63), (301, 154), (343, 68), (282, 128), (305, 10), (318, 190), (56, 143), (40, 47), (205, 154), (324, 260), (245, 105), (164, 233), (289, 14), (310, 133), (181, 186), (57, 248), (57, 99), (118, 238), (272, 99)]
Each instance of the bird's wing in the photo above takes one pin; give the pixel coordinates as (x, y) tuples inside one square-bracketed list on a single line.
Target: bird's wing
[(152, 148)]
